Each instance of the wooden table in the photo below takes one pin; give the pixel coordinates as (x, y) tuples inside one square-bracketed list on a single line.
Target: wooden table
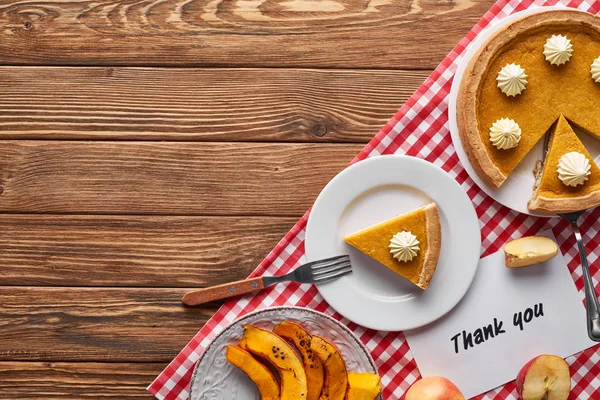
[(147, 147)]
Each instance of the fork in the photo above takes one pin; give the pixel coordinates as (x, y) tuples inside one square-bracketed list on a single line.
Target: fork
[(592, 308), (317, 272)]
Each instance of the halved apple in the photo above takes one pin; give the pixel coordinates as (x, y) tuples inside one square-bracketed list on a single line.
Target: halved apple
[(529, 250), (363, 386), (434, 388), (283, 358), (313, 366), (259, 374), (336, 376), (544, 377)]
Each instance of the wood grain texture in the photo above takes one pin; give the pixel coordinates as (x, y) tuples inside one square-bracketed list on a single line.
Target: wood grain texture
[(166, 178), (96, 324), (200, 104), (333, 33), (60, 380), (151, 251)]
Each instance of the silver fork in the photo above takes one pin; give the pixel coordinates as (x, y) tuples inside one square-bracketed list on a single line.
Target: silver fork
[(317, 272), (592, 308)]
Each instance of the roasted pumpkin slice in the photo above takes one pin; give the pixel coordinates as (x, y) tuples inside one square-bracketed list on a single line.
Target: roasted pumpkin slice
[(363, 386), (336, 377), (259, 374), (313, 366), (283, 358)]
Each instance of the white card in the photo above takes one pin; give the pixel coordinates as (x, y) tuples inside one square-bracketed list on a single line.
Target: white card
[(497, 294)]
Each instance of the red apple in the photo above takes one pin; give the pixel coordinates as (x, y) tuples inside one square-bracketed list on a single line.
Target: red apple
[(544, 377), (434, 388)]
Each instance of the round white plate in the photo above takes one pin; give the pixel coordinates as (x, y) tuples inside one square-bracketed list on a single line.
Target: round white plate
[(516, 191), (372, 191), (215, 378)]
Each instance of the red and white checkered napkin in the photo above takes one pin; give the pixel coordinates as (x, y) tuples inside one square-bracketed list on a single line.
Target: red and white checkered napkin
[(420, 129)]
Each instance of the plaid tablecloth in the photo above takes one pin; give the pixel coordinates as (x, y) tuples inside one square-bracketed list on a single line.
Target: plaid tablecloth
[(420, 129)]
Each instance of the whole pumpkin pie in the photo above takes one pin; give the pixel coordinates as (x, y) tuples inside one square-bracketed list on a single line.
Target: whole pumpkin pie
[(545, 89), (408, 244), (553, 195)]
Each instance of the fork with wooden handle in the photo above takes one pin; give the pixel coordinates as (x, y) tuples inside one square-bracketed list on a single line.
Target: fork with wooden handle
[(319, 271)]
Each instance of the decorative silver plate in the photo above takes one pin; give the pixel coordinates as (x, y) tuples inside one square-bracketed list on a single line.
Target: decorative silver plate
[(215, 379)]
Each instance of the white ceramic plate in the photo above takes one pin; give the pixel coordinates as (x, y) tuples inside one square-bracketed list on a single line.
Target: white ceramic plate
[(517, 189), (215, 379), (377, 189)]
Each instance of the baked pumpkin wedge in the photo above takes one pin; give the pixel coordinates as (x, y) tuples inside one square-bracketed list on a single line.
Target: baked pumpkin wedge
[(284, 359), (336, 376), (363, 386), (313, 367), (259, 374)]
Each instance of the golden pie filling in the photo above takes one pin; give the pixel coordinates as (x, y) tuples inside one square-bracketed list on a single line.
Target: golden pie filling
[(551, 90), (375, 240), (565, 140), (424, 223), (538, 71)]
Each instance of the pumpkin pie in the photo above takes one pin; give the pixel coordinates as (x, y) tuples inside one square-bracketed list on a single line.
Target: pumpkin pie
[(551, 195), (424, 224), (550, 89)]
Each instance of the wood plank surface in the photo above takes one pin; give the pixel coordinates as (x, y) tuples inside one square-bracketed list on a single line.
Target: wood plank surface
[(60, 380), (200, 104), (96, 324), (329, 33), (166, 178), (152, 251), (131, 169)]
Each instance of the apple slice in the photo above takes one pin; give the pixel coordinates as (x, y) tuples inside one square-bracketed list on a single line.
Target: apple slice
[(544, 377), (529, 250), (434, 388)]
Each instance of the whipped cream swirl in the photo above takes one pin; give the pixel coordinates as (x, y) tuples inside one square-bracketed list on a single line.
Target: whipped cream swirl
[(404, 246), (512, 79), (505, 134), (558, 49), (595, 70), (573, 168)]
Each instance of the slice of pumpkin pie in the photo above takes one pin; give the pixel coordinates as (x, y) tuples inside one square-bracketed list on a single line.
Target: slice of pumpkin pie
[(569, 179), (408, 244)]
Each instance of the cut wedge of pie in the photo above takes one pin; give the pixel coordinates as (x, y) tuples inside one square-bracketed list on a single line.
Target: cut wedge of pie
[(424, 223), (550, 90), (550, 194)]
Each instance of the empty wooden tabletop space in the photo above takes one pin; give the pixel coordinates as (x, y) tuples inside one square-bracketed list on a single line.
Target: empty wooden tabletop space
[(151, 147)]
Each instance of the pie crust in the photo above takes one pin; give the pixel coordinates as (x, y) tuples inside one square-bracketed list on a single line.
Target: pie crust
[(424, 221), (550, 195), (434, 240), (510, 39)]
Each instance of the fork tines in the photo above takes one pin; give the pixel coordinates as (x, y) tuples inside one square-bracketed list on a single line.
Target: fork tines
[(330, 268)]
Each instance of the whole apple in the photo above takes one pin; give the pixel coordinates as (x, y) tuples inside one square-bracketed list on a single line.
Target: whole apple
[(434, 388)]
